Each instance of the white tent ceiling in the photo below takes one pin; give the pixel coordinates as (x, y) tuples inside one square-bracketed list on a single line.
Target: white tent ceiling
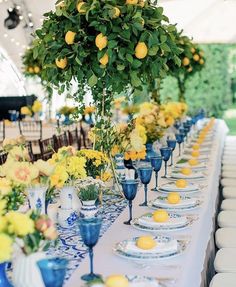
[(207, 21)]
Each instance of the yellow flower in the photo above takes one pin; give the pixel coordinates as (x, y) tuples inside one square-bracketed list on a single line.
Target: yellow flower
[(37, 106), (97, 162), (25, 111), (89, 110), (5, 247), (3, 223), (169, 121), (8, 142), (59, 176), (146, 108), (23, 173), (5, 186), (44, 167), (115, 150), (106, 176), (19, 153), (76, 167), (161, 121), (20, 224), (118, 101)]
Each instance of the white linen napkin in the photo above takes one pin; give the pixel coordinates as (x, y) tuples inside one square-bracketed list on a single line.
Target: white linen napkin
[(161, 247), (171, 222)]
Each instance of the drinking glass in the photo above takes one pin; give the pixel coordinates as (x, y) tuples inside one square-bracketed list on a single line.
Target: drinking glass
[(165, 153), (171, 144), (89, 231), (156, 162), (145, 175), (53, 271), (130, 187), (179, 139)]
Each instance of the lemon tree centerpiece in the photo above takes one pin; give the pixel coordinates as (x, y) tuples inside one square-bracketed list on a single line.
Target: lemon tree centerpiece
[(105, 46)]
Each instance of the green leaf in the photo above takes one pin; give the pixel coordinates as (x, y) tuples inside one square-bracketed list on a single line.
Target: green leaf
[(78, 61), (165, 47), (153, 51), (163, 38), (129, 58), (112, 44), (135, 81), (136, 64), (92, 80), (120, 67)]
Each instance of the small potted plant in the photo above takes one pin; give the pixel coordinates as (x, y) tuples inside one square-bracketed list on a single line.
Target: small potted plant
[(88, 196)]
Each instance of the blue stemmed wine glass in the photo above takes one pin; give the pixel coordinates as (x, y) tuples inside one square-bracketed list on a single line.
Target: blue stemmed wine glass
[(145, 175), (90, 230), (165, 153), (156, 162), (179, 139), (171, 144), (53, 271), (130, 187)]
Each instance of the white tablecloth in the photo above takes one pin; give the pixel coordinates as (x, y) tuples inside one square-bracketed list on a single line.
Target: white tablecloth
[(187, 268)]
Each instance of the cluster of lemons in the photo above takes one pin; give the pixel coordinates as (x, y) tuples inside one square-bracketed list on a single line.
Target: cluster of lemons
[(197, 57), (101, 41), (33, 69)]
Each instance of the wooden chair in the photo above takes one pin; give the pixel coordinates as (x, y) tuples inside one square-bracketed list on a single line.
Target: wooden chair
[(2, 130), (74, 138), (31, 130), (60, 141), (85, 142), (3, 157), (47, 148)]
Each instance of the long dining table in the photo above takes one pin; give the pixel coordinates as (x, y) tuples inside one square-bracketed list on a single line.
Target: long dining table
[(191, 268)]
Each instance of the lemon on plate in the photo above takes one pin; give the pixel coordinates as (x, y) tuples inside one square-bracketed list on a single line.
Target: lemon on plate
[(193, 162), (173, 198), (181, 183), (116, 281), (146, 242), (195, 153), (196, 147), (186, 171), (160, 215)]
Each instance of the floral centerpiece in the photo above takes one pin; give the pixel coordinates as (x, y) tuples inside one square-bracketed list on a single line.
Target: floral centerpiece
[(31, 234), (33, 110)]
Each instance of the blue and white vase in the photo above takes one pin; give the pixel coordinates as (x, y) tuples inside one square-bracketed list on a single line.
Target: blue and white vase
[(37, 198), (66, 196), (3, 277), (88, 209), (66, 218)]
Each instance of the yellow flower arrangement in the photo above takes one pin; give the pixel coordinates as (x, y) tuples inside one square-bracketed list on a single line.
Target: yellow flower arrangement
[(44, 167), (105, 176), (59, 176), (5, 247), (19, 153), (37, 106), (76, 167), (19, 224), (176, 110), (3, 223), (26, 111), (5, 186), (89, 110)]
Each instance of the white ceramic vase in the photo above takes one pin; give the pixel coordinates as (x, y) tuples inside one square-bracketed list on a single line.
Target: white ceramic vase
[(88, 209), (66, 196), (66, 218), (36, 196), (25, 270)]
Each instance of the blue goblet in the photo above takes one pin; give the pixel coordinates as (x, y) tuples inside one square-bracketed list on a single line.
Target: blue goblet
[(89, 231), (171, 144), (179, 139), (156, 162), (53, 271), (165, 153), (145, 175), (130, 187)]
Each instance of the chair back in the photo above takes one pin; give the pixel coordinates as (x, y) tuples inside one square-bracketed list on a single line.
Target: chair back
[(31, 130), (2, 130), (3, 157), (47, 148), (74, 138), (60, 141)]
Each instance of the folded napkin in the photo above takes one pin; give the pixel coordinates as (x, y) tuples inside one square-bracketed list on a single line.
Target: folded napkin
[(161, 247), (172, 221), (193, 175), (184, 202)]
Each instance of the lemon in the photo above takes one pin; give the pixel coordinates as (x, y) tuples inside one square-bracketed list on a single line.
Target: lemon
[(181, 183), (141, 50), (200, 141), (201, 53), (195, 153), (132, 2), (173, 198), (145, 242), (70, 37), (116, 281), (186, 171), (196, 146), (104, 60), (116, 12), (101, 41), (201, 61), (190, 69), (36, 69), (80, 8), (193, 50), (196, 57), (62, 63), (186, 61), (30, 69), (160, 215), (193, 162)]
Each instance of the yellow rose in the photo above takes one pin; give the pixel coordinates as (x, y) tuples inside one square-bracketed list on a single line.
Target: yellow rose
[(105, 176), (59, 176), (19, 153), (37, 106), (23, 173), (5, 247), (44, 167), (5, 186), (20, 224)]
